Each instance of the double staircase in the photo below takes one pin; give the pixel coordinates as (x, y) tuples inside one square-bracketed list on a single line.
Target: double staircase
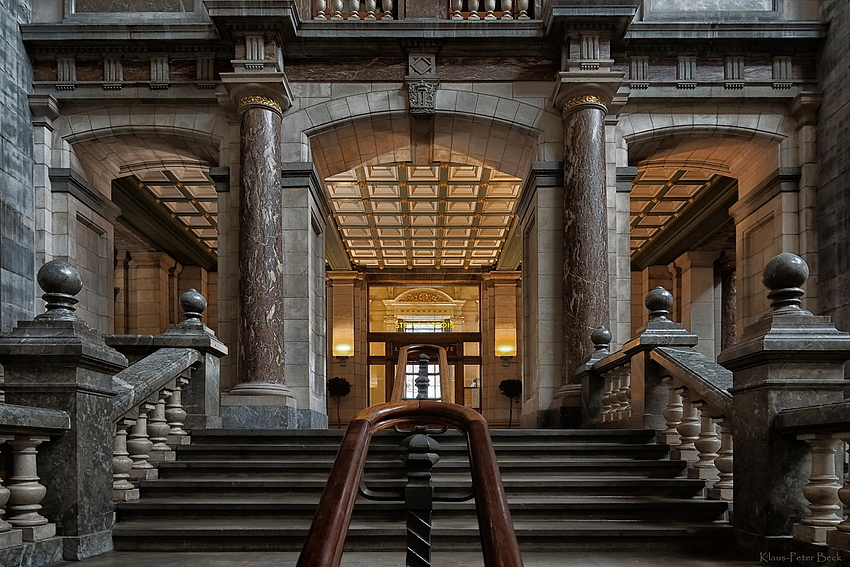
[(237, 490)]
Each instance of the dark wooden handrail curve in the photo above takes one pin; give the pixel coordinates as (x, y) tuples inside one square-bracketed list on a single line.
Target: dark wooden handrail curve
[(326, 538)]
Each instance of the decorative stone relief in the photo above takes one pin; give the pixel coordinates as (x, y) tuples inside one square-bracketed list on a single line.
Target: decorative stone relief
[(639, 72), (160, 72), (686, 72), (205, 73), (113, 73), (66, 70), (422, 82), (782, 72), (734, 73)]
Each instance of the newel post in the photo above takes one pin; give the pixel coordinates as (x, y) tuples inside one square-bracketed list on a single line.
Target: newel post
[(57, 361), (788, 359)]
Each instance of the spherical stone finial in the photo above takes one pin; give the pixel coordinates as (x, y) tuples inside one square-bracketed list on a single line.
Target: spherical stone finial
[(785, 270), (58, 276), (61, 282), (601, 338), (193, 304), (659, 301), (784, 276)]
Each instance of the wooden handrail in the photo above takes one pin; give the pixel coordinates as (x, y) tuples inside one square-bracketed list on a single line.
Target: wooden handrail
[(326, 538)]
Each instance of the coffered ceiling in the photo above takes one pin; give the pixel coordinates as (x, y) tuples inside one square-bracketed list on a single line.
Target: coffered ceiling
[(399, 215)]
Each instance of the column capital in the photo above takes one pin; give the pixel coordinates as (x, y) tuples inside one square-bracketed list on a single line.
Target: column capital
[(264, 89), (577, 89), (697, 259)]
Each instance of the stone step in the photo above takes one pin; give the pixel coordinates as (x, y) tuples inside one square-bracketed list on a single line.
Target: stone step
[(625, 486), (225, 534), (393, 468), (263, 452), (390, 437), (533, 507)]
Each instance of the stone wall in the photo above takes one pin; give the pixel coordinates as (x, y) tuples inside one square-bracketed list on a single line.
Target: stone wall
[(17, 206), (834, 165)]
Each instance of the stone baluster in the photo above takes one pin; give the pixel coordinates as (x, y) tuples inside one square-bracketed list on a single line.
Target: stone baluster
[(321, 6), (821, 490), (175, 414), (387, 7), (623, 394), (473, 10), (723, 488), (522, 9), (607, 403), (841, 536), (507, 7), (353, 9), (688, 429), (158, 429), (7, 537), (122, 488), (371, 6), (707, 445), (490, 7), (26, 492), (336, 5), (139, 445), (457, 6), (672, 415)]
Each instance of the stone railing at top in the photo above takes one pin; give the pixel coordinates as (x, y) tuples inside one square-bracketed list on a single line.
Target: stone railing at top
[(455, 10), (658, 381), (59, 363), (23, 429), (149, 409), (792, 420)]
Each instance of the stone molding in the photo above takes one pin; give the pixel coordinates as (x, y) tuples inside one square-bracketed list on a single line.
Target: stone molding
[(66, 180), (783, 180)]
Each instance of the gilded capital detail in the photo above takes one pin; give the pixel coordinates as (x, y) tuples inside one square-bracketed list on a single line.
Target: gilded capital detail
[(261, 100), (585, 99)]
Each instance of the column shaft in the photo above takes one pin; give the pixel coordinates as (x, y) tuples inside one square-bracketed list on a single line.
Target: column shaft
[(261, 356), (585, 225)]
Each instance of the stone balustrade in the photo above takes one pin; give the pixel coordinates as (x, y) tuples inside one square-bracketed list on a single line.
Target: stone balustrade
[(658, 381), (22, 430), (64, 377), (148, 409), (455, 10)]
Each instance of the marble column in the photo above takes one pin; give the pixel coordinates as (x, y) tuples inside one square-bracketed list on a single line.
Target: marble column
[(260, 354), (585, 228)]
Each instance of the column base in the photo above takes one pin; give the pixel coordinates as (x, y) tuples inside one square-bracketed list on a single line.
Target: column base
[(237, 415), (77, 548), (262, 389)]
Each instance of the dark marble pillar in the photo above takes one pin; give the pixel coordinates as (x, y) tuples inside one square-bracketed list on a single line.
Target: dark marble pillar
[(585, 226), (260, 353), (728, 303)]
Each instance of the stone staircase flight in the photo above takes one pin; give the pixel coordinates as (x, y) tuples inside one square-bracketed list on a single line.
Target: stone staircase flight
[(239, 490)]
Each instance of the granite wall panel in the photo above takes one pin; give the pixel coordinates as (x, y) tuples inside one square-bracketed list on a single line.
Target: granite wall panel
[(17, 208), (834, 164)]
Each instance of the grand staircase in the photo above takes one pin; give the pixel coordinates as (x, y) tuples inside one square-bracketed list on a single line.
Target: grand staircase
[(568, 490)]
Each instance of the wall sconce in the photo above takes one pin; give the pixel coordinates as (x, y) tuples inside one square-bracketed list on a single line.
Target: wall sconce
[(342, 352), (506, 353)]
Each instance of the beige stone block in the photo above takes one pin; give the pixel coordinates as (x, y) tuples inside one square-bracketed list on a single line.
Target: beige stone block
[(125, 495), (36, 533), (811, 534), (10, 538)]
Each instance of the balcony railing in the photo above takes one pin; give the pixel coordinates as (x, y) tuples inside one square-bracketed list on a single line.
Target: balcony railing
[(455, 10)]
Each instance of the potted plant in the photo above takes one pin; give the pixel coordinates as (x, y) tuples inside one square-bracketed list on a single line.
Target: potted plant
[(338, 388), (512, 389)]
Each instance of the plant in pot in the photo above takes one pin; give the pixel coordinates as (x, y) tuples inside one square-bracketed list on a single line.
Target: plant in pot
[(338, 388), (512, 389)]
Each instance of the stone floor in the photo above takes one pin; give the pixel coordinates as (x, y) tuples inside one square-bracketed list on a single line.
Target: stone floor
[(459, 559)]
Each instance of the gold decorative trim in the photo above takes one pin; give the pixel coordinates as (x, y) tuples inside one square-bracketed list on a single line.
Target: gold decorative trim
[(585, 99), (261, 100)]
